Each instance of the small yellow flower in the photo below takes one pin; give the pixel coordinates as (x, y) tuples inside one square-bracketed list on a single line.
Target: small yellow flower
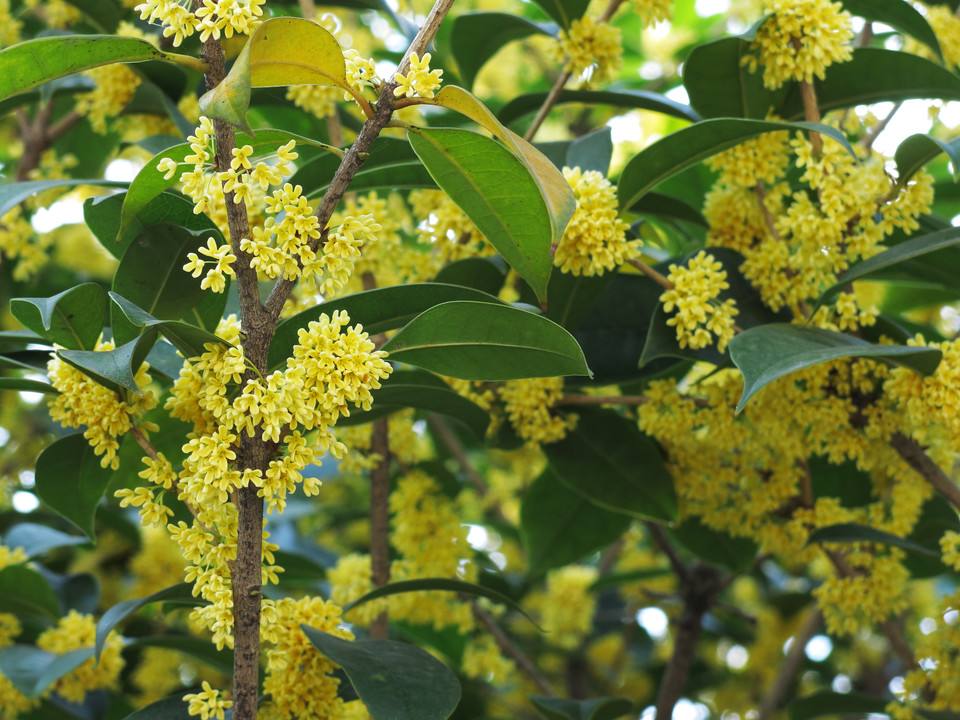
[(419, 80)]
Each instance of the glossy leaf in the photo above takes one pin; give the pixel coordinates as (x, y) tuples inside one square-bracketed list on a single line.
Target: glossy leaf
[(25, 592), (917, 150), (687, 147), (71, 481), (607, 460), (169, 708), (189, 339), (281, 51), (396, 681), (476, 37), (390, 159), (720, 85), (854, 533), (151, 276), (560, 526), (497, 192), (898, 255), (714, 546), (482, 341), (115, 369), (181, 594), (769, 352), (32, 670), (898, 14), (29, 64), (377, 310), (12, 194), (592, 151), (437, 585), (191, 646), (38, 539), (634, 99), (73, 318), (606, 708), (27, 385)]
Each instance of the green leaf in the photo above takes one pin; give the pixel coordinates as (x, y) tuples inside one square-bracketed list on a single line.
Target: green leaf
[(482, 341), (29, 64), (189, 339), (386, 154), (899, 15), (476, 37), (437, 584), (170, 708), (564, 11), (70, 480), (32, 670), (720, 548), (878, 75), (769, 352), (719, 85), (498, 192), (560, 526), (829, 703), (27, 385), (917, 150), (896, 256), (151, 276), (606, 708), (853, 533), (592, 151), (486, 274), (12, 194), (687, 147), (607, 460), (149, 183), (182, 594), (104, 14), (377, 310), (396, 681), (38, 539), (422, 391), (198, 648), (73, 318), (25, 592), (665, 206), (638, 99)]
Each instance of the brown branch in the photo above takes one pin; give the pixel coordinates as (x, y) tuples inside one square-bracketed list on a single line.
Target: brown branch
[(380, 520), (62, 126), (871, 138), (358, 152), (915, 456), (660, 539), (34, 137), (603, 400), (787, 674), (509, 648), (811, 113), (548, 102), (659, 279), (450, 440)]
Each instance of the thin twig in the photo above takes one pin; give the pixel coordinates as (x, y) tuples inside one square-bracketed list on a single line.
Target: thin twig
[(659, 279), (660, 539), (915, 456), (509, 648), (548, 102), (871, 138), (790, 667), (811, 113)]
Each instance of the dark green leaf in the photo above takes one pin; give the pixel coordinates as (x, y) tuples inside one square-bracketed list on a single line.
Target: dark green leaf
[(917, 150), (607, 460), (26, 385), (25, 592), (592, 151), (190, 340), (721, 548), (572, 296), (437, 584), (12, 194), (151, 276), (769, 352), (29, 64), (852, 532), (560, 526), (377, 310), (181, 594), (640, 99), (482, 341), (387, 155), (170, 708), (32, 670), (720, 85), (665, 206), (396, 681), (115, 369), (73, 318), (198, 648), (485, 274), (498, 192), (687, 147), (564, 11), (104, 14), (39, 539), (606, 708), (476, 37), (898, 14), (71, 481), (833, 703)]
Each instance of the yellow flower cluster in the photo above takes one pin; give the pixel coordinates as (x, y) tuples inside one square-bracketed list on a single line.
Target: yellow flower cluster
[(800, 39), (566, 606), (419, 80), (221, 259), (483, 660), (653, 11), (83, 402), (12, 702), (157, 675), (763, 159), (591, 51), (350, 579), (701, 317), (299, 679), (427, 533), (207, 703), (58, 14), (946, 26), (10, 26), (73, 632), (529, 406), (595, 240), (210, 18), (872, 594), (17, 244), (445, 228)]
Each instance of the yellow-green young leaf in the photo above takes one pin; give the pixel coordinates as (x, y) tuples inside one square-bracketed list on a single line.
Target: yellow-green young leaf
[(282, 51), (498, 192), (29, 64)]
